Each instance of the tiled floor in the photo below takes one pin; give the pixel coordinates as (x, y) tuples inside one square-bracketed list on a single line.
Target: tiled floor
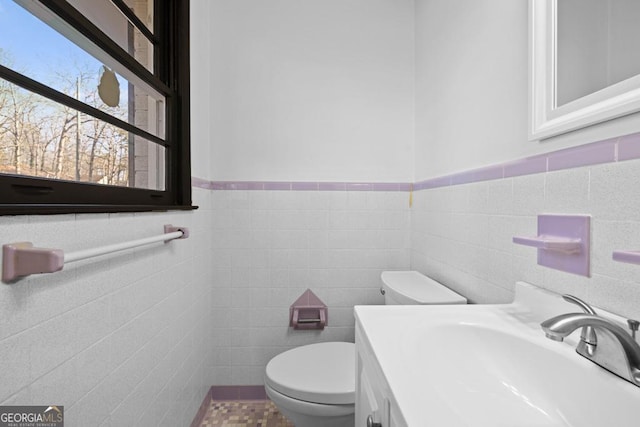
[(244, 413)]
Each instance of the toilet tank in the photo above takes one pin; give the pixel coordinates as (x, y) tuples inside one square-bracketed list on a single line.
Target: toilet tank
[(412, 287)]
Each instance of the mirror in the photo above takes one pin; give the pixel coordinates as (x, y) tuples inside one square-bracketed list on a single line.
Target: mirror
[(584, 63)]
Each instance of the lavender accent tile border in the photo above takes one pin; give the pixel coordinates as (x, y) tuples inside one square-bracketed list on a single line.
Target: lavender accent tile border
[(442, 181), (475, 175), (389, 186), (238, 392), (488, 173), (217, 186), (462, 177), (305, 186), (358, 186), (332, 186), (607, 151), (281, 186), (527, 166), (584, 155), (201, 183), (629, 147)]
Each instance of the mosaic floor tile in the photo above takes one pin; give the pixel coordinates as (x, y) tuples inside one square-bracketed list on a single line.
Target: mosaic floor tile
[(244, 413)]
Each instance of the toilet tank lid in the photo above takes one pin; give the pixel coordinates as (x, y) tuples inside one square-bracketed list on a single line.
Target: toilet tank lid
[(412, 287)]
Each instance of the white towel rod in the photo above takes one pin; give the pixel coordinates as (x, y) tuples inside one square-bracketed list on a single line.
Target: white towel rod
[(22, 259), (104, 250)]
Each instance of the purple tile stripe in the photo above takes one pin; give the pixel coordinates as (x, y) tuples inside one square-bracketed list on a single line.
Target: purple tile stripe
[(359, 186), (202, 183), (442, 181), (528, 166), (590, 154), (607, 151), (238, 392), (629, 147), (332, 186), (304, 186), (286, 186)]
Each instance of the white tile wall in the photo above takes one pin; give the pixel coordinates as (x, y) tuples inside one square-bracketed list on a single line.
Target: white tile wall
[(461, 235), (118, 340), (137, 338), (270, 246)]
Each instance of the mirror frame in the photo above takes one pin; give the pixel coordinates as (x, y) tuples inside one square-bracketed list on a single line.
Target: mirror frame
[(545, 119)]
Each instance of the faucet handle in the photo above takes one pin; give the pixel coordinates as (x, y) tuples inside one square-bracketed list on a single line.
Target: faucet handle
[(577, 301)]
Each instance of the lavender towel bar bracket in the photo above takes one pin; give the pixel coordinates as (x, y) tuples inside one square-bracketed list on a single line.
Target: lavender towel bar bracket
[(23, 259), (630, 257)]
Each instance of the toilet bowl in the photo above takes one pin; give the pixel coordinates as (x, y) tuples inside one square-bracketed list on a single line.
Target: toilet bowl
[(314, 385)]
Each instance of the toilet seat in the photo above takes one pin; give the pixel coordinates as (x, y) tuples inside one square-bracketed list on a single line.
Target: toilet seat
[(319, 373)]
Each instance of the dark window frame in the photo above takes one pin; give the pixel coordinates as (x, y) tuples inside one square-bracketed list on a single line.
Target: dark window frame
[(21, 194)]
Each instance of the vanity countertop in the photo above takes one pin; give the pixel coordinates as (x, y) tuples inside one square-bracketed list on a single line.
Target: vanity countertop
[(491, 365)]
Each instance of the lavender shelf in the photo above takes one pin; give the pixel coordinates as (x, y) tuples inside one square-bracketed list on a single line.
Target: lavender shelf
[(630, 257)]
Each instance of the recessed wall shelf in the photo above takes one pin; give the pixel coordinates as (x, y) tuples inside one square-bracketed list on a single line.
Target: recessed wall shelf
[(563, 242), (630, 257)]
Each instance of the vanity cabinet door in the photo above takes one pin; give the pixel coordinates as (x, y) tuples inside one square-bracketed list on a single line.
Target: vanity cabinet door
[(367, 405), (373, 395), (394, 419)]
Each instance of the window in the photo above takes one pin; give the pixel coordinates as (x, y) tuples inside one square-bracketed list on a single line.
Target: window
[(94, 106)]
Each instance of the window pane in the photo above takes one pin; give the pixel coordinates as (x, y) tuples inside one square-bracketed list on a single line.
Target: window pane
[(143, 9), (41, 138), (113, 23), (36, 50)]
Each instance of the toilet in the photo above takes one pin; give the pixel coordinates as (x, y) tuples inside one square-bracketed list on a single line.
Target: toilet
[(314, 385)]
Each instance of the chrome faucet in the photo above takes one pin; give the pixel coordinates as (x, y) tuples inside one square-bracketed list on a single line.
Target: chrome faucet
[(605, 342)]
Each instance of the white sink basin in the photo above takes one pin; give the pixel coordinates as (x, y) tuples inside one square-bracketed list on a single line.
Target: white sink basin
[(492, 366), (496, 378)]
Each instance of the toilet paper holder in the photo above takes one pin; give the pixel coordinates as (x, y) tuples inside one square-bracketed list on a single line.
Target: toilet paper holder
[(308, 312)]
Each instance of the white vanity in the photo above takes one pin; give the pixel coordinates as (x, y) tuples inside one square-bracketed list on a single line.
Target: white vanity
[(483, 366)]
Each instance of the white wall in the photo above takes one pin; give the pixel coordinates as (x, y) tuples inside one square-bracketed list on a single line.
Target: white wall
[(200, 40), (471, 84), (307, 90), (461, 235), (270, 246), (471, 111), (471, 88)]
